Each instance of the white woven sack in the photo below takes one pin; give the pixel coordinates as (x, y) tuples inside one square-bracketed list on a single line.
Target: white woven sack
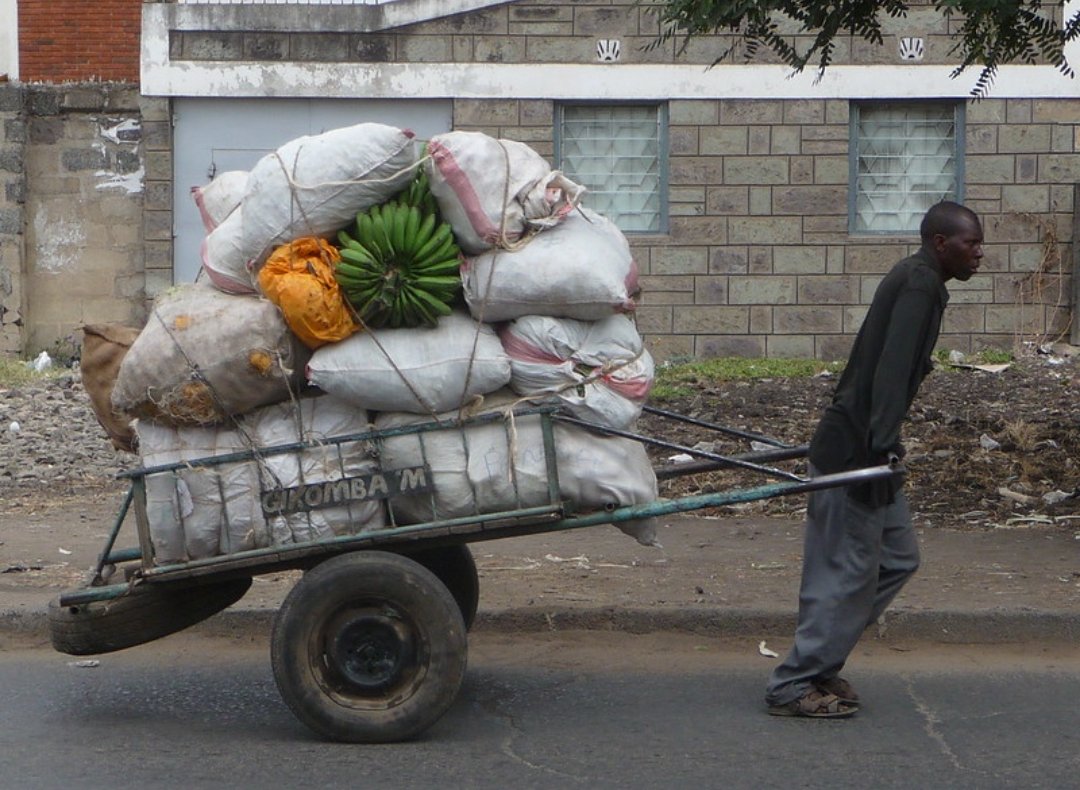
[(491, 191), (599, 370), (470, 468), (420, 370), (582, 268), (315, 185), (203, 511), (315, 421), (199, 512), (205, 355), (217, 199), (223, 257)]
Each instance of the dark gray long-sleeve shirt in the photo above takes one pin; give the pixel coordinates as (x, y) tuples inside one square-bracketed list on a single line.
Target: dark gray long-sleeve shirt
[(890, 358)]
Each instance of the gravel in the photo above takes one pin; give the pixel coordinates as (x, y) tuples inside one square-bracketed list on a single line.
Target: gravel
[(49, 435)]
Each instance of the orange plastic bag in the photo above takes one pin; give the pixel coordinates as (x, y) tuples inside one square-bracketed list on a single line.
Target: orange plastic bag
[(299, 278)]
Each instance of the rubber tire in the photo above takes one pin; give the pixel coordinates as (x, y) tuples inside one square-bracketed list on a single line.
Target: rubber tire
[(333, 626), (148, 612), (456, 568)]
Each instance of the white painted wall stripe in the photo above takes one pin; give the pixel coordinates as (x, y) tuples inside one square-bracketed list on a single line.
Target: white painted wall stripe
[(615, 81)]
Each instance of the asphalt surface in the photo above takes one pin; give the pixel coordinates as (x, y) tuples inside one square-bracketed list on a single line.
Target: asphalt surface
[(547, 711)]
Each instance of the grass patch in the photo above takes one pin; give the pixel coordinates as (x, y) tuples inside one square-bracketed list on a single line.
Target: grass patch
[(987, 356), (680, 379), (16, 373), (994, 356)]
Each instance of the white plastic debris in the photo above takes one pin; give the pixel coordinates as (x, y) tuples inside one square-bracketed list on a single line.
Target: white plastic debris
[(88, 663), (681, 458), (580, 561), (956, 357), (765, 651), (988, 442), (14, 427), (760, 447), (64, 551), (42, 362)]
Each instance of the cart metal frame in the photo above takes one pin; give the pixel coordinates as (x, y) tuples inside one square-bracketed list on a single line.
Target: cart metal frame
[(370, 644)]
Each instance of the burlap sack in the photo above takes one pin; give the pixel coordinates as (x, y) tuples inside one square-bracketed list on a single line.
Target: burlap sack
[(205, 356), (103, 349)]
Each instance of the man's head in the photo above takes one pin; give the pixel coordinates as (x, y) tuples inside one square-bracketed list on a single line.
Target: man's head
[(953, 235)]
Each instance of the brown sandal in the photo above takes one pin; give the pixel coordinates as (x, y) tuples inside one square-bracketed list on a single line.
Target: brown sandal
[(839, 688), (814, 705)]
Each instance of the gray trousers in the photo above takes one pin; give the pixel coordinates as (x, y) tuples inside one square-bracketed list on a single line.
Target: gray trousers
[(855, 560)]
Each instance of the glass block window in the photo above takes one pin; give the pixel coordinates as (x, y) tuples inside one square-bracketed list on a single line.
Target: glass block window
[(905, 157), (618, 152)]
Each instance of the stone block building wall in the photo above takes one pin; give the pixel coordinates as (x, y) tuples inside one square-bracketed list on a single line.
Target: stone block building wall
[(759, 261), (12, 200), (532, 31), (82, 211)]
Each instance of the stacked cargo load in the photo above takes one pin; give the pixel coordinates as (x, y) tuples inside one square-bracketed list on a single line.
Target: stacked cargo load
[(357, 283)]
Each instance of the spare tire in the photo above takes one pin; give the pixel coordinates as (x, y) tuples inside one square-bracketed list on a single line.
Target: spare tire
[(148, 612)]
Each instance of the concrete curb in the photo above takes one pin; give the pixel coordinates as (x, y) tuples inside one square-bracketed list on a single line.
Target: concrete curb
[(953, 627)]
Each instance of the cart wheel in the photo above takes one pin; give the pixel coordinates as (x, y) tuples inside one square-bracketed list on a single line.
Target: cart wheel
[(455, 567), (369, 647), (148, 612)]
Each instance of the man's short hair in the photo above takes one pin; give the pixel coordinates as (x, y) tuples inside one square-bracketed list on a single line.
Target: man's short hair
[(945, 218)]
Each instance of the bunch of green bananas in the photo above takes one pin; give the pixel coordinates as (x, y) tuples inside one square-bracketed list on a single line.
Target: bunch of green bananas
[(418, 194), (399, 266)]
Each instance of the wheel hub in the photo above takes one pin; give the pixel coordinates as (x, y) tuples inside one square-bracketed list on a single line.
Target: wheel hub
[(370, 652)]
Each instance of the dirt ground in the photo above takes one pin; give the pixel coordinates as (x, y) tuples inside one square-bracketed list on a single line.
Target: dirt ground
[(985, 449), (994, 481)]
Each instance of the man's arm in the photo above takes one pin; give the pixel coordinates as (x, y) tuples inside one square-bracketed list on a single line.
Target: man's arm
[(900, 359)]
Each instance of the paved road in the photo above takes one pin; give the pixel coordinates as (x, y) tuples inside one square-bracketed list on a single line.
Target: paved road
[(561, 710)]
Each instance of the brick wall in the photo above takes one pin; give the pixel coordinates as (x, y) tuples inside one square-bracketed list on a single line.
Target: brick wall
[(76, 40)]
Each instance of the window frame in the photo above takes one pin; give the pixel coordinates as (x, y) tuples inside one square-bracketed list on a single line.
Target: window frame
[(663, 154), (959, 149)]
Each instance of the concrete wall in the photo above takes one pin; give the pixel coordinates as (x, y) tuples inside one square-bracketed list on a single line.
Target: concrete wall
[(74, 213), (528, 31), (12, 218)]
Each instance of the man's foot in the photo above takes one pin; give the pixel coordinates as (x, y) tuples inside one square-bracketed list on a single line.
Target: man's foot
[(815, 705), (839, 688)]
